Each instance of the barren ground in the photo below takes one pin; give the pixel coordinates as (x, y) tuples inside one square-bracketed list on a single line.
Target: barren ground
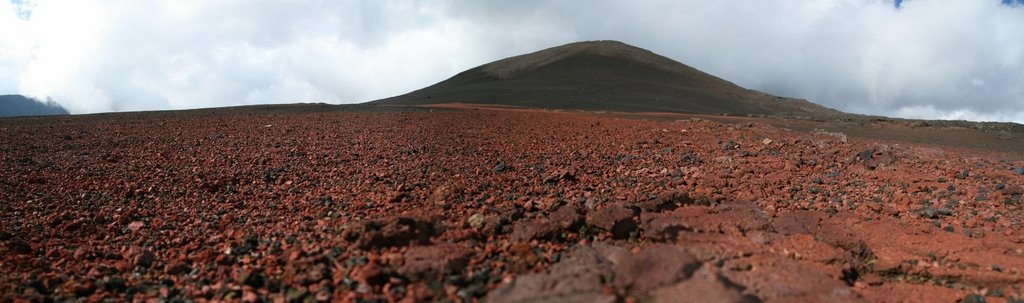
[(300, 203)]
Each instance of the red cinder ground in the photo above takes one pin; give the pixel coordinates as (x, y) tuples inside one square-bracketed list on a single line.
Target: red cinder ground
[(495, 205)]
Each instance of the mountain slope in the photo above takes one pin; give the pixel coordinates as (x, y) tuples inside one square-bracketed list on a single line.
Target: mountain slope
[(18, 105), (604, 75)]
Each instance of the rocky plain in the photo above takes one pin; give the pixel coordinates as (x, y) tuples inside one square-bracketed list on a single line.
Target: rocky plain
[(311, 203)]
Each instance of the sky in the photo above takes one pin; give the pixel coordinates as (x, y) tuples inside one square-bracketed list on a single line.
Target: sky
[(936, 59)]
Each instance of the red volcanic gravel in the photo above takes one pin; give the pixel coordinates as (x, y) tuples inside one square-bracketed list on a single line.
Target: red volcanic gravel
[(402, 204)]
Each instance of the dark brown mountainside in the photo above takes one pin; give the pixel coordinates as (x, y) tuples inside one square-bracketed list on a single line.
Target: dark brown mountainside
[(18, 105), (604, 75)]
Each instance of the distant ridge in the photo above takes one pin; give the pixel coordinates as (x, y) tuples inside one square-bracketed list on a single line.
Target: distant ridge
[(605, 75), (18, 105)]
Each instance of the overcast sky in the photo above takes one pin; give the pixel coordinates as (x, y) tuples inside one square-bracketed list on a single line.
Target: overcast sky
[(959, 59)]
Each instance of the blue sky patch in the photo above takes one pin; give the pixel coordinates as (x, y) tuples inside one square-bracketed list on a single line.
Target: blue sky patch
[(23, 8), (899, 3)]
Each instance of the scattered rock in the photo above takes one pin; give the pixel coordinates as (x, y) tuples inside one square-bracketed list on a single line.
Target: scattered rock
[(492, 225), (1013, 190), (973, 298), (19, 246), (400, 231), (663, 227), (566, 217), (135, 226), (866, 154), (83, 289), (878, 156), (440, 195), (944, 211), (296, 295), (547, 204), (397, 197), (368, 274), (612, 253), (666, 201), (785, 280), (522, 256), (617, 219), (501, 167), (245, 247), (526, 230), (690, 158), (476, 221), (928, 212), (962, 174), (797, 222), (656, 266), (578, 278), (741, 216), (113, 284), (143, 258), (177, 268), (706, 285), (561, 174), (430, 262), (254, 279), (824, 138)]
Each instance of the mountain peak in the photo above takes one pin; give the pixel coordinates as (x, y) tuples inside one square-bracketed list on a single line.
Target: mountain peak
[(605, 76), (512, 66)]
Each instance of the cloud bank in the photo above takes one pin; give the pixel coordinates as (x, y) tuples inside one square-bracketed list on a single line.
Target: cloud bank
[(951, 59)]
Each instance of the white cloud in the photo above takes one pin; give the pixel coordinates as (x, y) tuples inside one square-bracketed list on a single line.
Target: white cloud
[(930, 59), (930, 112), (13, 47)]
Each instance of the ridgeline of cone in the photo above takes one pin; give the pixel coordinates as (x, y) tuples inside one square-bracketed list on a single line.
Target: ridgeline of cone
[(607, 76)]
